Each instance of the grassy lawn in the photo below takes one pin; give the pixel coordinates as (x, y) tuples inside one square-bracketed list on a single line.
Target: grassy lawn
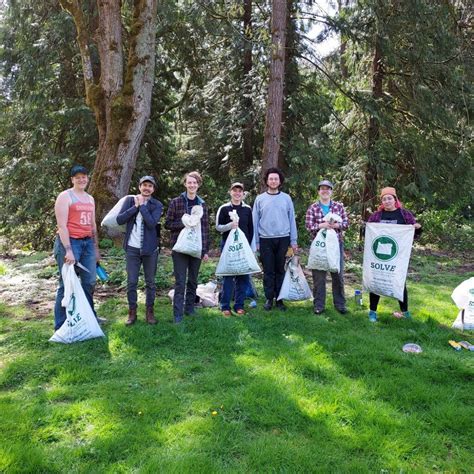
[(271, 392)]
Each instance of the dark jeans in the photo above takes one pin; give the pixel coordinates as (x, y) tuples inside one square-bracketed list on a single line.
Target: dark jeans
[(374, 301), (134, 262), (84, 252), (240, 283), (319, 285), (272, 254), (186, 269)]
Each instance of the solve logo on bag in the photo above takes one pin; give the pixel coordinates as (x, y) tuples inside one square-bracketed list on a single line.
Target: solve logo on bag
[(385, 248)]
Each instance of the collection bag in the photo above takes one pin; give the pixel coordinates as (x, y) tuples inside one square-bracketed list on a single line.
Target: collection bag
[(294, 287), (387, 251), (237, 257), (189, 239), (463, 297), (109, 222), (324, 253), (81, 323)]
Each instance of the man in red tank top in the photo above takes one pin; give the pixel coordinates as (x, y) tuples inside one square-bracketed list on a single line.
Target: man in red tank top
[(76, 240)]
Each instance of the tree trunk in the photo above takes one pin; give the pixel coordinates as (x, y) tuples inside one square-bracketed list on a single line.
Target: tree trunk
[(290, 86), (272, 137), (343, 5), (247, 140), (121, 97), (369, 193)]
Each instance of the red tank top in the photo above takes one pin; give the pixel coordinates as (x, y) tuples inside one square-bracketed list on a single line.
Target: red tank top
[(81, 214)]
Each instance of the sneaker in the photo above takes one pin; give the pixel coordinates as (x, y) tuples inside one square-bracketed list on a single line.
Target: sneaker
[(318, 311), (406, 314), (373, 316), (178, 319), (253, 304), (280, 305), (341, 310), (101, 320)]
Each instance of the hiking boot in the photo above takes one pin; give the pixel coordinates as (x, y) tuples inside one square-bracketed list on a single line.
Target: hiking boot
[(150, 315), (132, 317)]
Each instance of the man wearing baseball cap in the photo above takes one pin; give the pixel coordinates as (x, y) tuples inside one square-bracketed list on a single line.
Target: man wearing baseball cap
[(314, 222), (141, 214), (224, 225), (76, 240)]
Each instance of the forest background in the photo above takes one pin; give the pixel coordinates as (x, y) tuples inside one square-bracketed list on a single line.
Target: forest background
[(391, 105)]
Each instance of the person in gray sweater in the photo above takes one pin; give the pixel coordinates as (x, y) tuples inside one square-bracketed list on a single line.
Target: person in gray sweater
[(274, 232)]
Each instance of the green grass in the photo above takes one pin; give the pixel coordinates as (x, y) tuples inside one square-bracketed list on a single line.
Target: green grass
[(276, 392)]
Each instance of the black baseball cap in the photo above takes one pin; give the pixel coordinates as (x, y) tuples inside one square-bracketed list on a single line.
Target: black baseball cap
[(76, 169)]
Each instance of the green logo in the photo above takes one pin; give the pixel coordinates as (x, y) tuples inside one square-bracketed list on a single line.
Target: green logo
[(385, 248)]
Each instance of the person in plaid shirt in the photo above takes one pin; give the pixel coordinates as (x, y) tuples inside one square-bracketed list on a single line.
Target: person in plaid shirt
[(315, 222), (186, 267)]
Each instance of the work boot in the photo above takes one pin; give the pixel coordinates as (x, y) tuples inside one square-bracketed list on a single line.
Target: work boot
[(150, 315), (132, 316)]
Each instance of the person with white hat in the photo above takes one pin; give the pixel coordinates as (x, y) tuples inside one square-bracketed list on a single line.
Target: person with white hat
[(314, 222)]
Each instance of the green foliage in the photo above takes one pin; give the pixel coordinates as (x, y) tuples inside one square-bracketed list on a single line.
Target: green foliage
[(203, 98), (448, 227)]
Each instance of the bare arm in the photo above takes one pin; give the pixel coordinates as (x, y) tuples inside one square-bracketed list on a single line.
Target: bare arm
[(61, 209)]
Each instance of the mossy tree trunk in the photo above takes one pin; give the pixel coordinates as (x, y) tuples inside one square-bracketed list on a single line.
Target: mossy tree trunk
[(118, 88), (272, 136)]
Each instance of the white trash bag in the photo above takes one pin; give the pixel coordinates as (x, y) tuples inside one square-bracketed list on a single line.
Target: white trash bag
[(80, 323), (387, 251), (463, 297), (294, 287), (110, 220), (189, 239), (324, 253), (208, 295), (237, 257)]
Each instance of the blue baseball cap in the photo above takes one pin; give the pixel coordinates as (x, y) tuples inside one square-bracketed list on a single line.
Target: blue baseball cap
[(76, 169)]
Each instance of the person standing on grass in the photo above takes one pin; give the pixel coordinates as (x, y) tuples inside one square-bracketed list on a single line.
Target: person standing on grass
[(314, 222), (274, 232), (224, 224), (76, 240), (186, 267), (391, 211), (141, 214)]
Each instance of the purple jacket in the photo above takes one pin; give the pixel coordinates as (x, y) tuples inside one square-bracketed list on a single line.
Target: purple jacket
[(407, 215)]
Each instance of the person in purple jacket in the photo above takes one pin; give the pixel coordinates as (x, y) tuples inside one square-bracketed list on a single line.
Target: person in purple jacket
[(391, 212)]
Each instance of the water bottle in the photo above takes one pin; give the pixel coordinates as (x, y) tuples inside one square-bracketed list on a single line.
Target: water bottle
[(358, 297), (101, 273)]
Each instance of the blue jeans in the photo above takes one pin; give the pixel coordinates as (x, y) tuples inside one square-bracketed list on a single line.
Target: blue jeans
[(134, 262), (241, 282), (84, 252)]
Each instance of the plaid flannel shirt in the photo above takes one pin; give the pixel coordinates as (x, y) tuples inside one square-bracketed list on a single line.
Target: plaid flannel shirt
[(315, 216), (176, 210)]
